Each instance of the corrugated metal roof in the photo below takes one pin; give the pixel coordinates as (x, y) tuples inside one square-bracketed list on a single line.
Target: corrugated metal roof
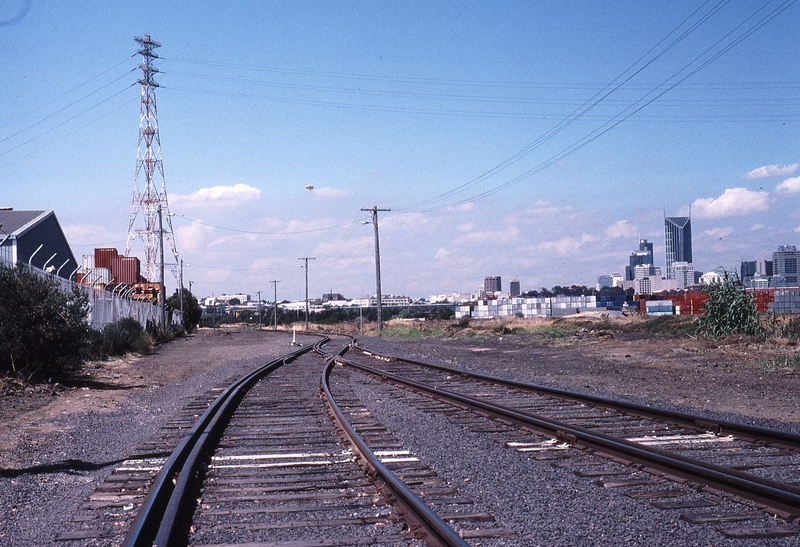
[(17, 222)]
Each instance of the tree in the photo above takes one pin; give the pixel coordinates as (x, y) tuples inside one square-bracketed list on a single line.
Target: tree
[(42, 329), (192, 312), (234, 302)]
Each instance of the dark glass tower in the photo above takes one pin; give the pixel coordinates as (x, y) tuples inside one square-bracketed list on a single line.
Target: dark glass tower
[(784, 263), (639, 258), (677, 242)]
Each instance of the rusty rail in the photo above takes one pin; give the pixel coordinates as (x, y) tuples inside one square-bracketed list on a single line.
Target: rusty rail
[(437, 532), (774, 437), (157, 521), (783, 499)]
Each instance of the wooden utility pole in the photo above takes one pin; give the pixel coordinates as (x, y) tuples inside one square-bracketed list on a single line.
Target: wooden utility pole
[(374, 212), (161, 291), (275, 309), (306, 259)]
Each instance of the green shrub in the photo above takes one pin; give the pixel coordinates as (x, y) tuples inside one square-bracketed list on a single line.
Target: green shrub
[(729, 310), (43, 330), (125, 336), (192, 311)]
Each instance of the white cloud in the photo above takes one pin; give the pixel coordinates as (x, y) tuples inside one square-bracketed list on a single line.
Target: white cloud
[(732, 202), (507, 235), (789, 186), (622, 228), (771, 171), (329, 193), (466, 207), (757, 227), (566, 246), (718, 232), (217, 196), (193, 237), (544, 207), (441, 254)]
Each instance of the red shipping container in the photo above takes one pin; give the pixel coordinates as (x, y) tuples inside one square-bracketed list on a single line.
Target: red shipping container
[(125, 270), (102, 257)]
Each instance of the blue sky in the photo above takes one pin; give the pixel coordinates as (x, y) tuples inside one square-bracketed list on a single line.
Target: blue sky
[(613, 114)]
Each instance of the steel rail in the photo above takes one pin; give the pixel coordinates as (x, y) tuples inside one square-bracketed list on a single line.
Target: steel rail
[(780, 498), (440, 534), (156, 523), (776, 437)]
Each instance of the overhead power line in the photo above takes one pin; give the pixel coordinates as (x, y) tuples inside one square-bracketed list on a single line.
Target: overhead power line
[(53, 128), (632, 109), (65, 94)]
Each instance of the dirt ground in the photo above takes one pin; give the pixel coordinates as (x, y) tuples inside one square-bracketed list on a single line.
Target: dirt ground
[(756, 381), (28, 411)]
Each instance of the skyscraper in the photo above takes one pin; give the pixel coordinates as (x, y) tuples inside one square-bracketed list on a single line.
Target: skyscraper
[(492, 284), (677, 242), (747, 272), (784, 263), (639, 258), (684, 274)]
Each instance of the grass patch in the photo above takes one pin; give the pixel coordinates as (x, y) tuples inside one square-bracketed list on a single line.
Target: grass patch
[(788, 361), (553, 333), (775, 363), (508, 329), (557, 329), (664, 324), (413, 333)]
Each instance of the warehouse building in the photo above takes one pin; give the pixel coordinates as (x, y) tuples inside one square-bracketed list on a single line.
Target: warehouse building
[(35, 238)]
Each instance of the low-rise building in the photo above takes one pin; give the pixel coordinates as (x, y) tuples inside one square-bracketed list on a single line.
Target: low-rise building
[(386, 300), (528, 307)]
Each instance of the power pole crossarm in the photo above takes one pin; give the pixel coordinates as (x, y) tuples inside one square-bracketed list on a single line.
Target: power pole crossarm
[(375, 211)]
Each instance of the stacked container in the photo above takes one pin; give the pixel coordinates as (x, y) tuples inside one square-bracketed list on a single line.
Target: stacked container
[(659, 307)]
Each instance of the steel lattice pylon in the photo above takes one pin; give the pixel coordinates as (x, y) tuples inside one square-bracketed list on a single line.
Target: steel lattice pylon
[(148, 162)]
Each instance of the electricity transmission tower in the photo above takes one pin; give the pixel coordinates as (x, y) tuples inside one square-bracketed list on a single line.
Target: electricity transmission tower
[(152, 203)]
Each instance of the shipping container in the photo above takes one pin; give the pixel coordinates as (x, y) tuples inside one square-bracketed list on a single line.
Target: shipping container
[(125, 270), (96, 276), (102, 257)]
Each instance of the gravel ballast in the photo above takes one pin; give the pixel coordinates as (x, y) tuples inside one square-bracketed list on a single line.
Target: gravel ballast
[(58, 443), (47, 451)]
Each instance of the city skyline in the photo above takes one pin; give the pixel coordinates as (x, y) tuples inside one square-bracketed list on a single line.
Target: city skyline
[(537, 141)]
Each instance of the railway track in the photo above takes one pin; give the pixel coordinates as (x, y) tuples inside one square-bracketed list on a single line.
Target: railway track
[(273, 464), (293, 455), (758, 468)]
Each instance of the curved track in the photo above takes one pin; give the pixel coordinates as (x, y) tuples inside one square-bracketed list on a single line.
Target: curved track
[(274, 471), (758, 465), (289, 456)]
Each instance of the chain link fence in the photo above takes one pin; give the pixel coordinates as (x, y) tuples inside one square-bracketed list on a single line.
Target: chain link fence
[(107, 306)]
